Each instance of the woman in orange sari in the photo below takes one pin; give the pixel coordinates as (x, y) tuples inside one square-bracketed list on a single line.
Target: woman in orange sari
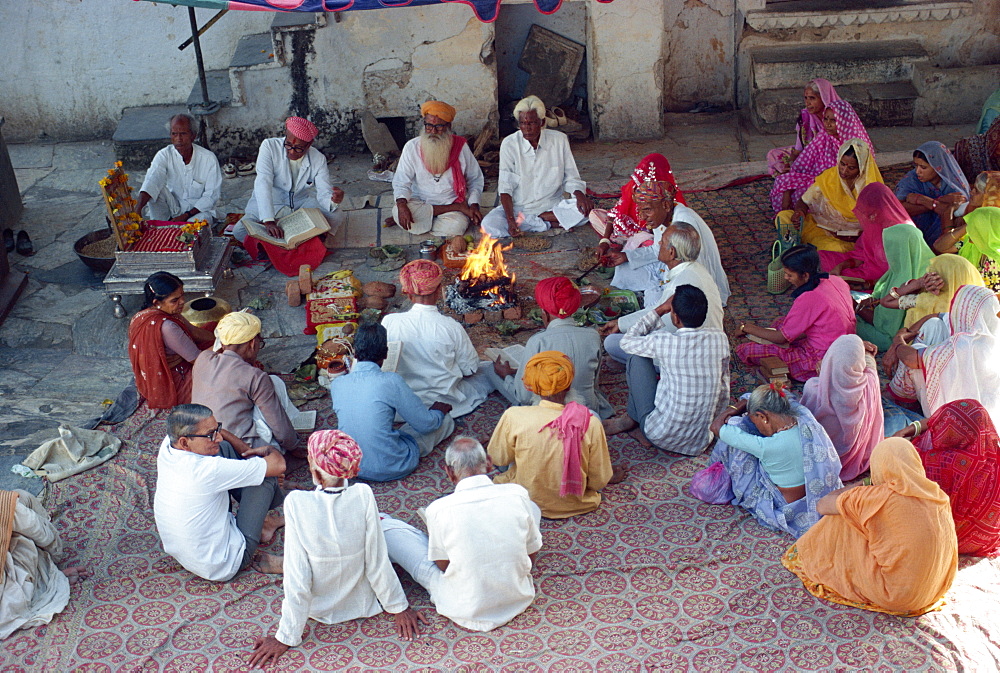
[(162, 345), (888, 547)]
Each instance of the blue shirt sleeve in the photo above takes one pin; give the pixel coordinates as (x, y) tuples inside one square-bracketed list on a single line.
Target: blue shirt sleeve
[(412, 410)]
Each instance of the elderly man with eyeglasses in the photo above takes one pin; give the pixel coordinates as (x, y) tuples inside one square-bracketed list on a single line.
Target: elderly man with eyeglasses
[(199, 466), (291, 174), (438, 181)]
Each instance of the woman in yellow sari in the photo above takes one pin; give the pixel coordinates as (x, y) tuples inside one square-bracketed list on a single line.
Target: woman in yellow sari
[(827, 206), (889, 547)]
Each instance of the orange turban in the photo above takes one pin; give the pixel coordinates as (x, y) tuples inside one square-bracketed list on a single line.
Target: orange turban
[(421, 276), (548, 373), (335, 452), (438, 109), (558, 296)]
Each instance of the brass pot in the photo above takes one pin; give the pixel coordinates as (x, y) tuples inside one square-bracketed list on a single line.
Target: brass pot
[(206, 312)]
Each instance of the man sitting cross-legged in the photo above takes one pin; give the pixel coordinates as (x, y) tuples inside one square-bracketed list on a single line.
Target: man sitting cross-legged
[(367, 401), (476, 559), (559, 299), (199, 466), (675, 413), (336, 565), (437, 360), (556, 450)]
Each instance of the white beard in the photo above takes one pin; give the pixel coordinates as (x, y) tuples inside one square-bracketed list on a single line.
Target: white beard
[(435, 151)]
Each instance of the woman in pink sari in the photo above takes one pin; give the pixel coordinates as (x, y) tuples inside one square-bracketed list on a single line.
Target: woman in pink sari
[(846, 401), (623, 220), (877, 209), (818, 95), (840, 123)]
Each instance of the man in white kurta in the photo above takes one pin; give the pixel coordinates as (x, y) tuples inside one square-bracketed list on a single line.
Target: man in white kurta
[(184, 180), (536, 169), (438, 182), (437, 359), (291, 174), (476, 559)]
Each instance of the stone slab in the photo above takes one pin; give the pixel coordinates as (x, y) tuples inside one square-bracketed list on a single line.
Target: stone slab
[(14, 482), (71, 156), (71, 273), (85, 379), (59, 304), (253, 50), (220, 89), (29, 177), (841, 63), (98, 333), (30, 155)]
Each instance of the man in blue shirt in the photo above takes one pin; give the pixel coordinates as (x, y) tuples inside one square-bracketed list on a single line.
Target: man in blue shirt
[(367, 401)]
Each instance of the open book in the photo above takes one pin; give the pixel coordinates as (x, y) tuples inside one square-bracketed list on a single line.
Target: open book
[(303, 224), (391, 362), (765, 342), (841, 232), (512, 355)]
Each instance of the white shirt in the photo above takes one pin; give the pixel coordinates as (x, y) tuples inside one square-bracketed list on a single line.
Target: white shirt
[(708, 257), (274, 185), (196, 185), (413, 181), (191, 509), (436, 356), (536, 178), (337, 567), (685, 273), (486, 531)]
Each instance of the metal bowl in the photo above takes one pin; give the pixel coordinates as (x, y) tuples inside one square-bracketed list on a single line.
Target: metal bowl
[(99, 264)]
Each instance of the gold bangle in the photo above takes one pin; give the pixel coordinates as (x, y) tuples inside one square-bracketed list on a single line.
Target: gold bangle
[(732, 406), (894, 293)]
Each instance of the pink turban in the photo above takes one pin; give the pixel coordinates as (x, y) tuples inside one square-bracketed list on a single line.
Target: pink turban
[(335, 453), (421, 276), (303, 129), (558, 296), (438, 109)]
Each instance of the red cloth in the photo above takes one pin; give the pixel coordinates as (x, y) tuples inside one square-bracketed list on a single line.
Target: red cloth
[(624, 215), (558, 296), (163, 381), (160, 236), (311, 252), (570, 427), (335, 452), (961, 452)]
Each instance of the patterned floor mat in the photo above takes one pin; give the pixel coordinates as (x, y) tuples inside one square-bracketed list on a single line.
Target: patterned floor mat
[(653, 580)]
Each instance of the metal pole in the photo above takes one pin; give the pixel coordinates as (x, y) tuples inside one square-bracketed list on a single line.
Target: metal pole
[(198, 58)]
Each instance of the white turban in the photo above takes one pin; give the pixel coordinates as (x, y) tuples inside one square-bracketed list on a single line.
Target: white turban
[(530, 103)]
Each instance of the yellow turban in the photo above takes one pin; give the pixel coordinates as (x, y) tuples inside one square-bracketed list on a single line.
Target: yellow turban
[(548, 373), (237, 328), (438, 109), (421, 276)]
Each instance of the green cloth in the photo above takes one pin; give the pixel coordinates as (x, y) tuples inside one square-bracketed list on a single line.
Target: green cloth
[(982, 235), (991, 110), (908, 257)]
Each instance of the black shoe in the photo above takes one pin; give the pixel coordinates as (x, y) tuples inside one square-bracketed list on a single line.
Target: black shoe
[(24, 246), (8, 240)]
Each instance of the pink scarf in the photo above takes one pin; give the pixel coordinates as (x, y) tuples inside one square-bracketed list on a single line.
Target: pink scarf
[(570, 427)]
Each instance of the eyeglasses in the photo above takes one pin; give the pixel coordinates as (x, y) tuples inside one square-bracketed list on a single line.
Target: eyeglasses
[(436, 128), (298, 149), (212, 436)]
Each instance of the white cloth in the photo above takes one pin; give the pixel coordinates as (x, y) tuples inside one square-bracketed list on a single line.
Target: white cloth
[(197, 184), (33, 590), (486, 531), (438, 360), (296, 417), (643, 269), (685, 273), (446, 225), (537, 178), (413, 180), (191, 509), (273, 187), (495, 222), (336, 564)]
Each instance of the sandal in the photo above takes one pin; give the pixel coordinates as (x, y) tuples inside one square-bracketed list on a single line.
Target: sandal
[(248, 168), (23, 244), (560, 116), (550, 120), (229, 170)]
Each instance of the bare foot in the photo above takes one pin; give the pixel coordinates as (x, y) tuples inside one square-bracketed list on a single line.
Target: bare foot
[(272, 522), (76, 574), (618, 474), (637, 434), (389, 222), (619, 424), (269, 564)]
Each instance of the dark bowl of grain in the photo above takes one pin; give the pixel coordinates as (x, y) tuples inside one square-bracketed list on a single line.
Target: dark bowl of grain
[(97, 250)]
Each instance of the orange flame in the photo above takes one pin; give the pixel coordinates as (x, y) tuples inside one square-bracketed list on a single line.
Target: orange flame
[(485, 262)]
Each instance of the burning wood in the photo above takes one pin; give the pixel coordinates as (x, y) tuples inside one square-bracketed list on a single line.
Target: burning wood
[(484, 283)]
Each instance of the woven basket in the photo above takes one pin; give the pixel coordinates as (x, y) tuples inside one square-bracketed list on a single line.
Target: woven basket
[(788, 235), (776, 282)]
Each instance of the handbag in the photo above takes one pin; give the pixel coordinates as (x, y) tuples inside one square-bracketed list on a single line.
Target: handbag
[(776, 282), (788, 234)]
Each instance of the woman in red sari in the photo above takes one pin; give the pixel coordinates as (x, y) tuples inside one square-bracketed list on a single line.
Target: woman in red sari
[(162, 345), (960, 450)]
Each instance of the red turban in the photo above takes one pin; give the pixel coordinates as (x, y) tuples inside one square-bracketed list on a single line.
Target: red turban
[(558, 296), (303, 129), (421, 276), (335, 453), (438, 109)]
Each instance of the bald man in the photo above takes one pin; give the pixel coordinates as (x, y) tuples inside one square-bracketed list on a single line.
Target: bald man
[(438, 181)]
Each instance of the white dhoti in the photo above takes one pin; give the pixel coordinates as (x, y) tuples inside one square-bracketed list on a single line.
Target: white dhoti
[(424, 221), (566, 212), (165, 206), (301, 420)]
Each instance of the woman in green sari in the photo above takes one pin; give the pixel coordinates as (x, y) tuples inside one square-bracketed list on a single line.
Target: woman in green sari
[(976, 235), (908, 257)]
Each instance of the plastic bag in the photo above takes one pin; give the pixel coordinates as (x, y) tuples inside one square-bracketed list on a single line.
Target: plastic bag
[(712, 485)]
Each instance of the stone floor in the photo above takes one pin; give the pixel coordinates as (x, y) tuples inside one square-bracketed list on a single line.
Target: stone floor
[(62, 351)]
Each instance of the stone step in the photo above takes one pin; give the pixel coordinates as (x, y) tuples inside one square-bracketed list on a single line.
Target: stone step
[(878, 104), (253, 50), (841, 63), (141, 133), (220, 89)]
